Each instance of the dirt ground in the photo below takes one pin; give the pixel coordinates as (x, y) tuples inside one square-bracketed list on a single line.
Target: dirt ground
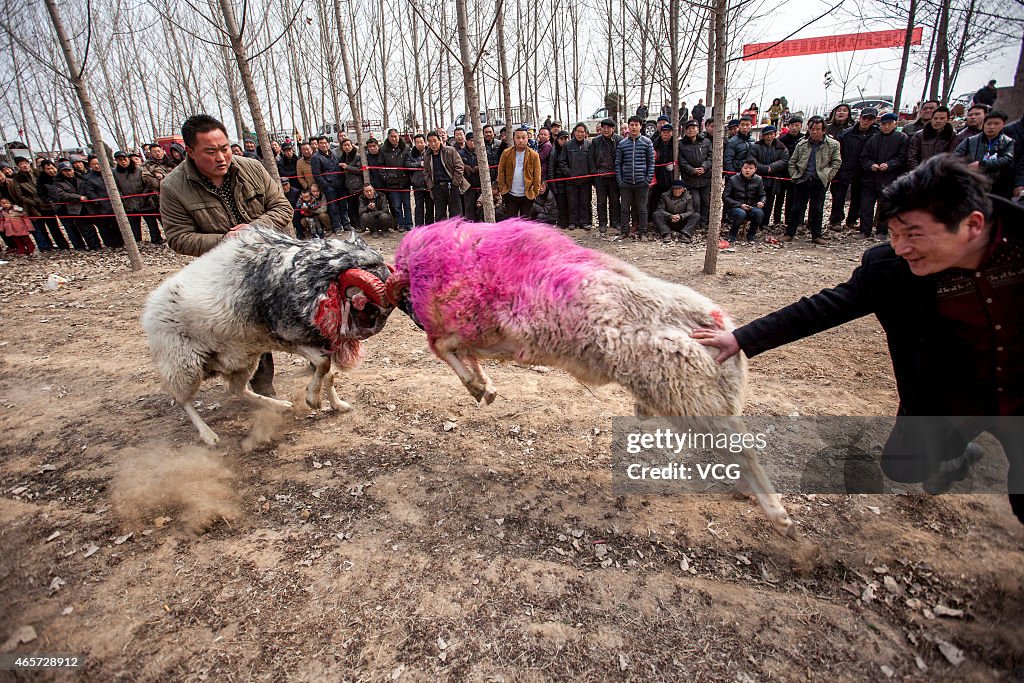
[(422, 537)]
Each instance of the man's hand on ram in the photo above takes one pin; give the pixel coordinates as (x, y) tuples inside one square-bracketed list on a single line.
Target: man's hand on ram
[(724, 341)]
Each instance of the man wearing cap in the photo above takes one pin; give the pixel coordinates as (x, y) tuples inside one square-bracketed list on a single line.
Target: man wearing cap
[(577, 156), (602, 155), (675, 212), (883, 159), (664, 165), (695, 168), (288, 164), (851, 142), (68, 200), (445, 176), (213, 194), (739, 146), (791, 135), (772, 159), (662, 120)]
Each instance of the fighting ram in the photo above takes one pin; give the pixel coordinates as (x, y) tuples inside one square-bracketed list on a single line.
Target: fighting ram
[(263, 291), (520, 291)]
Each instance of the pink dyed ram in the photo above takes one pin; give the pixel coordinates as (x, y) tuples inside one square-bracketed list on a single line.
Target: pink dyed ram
[(520, 291)]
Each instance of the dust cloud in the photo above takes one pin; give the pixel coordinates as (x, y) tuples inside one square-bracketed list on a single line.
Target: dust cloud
[(190, 484)]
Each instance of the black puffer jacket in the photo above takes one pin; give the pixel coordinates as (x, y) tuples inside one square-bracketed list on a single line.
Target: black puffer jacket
[(740, 190), (558, 167), (418, 178), (93, 187), (577, 156), (693, 155), (66, 196), (396, 156)]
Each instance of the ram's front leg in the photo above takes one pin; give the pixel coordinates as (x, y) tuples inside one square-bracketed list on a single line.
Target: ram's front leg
[(467, 368)]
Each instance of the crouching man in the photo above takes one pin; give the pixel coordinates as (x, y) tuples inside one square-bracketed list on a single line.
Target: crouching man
[(214, 193), (374, 214), (947, 291), (674, 212)]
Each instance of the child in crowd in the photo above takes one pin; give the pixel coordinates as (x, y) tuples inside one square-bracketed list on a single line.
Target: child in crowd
[(15, 225), (313, 210)]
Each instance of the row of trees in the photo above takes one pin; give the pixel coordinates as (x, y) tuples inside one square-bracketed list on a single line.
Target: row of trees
[(289, 65)]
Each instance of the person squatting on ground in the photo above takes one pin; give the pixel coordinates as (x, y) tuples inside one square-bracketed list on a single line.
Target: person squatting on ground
[(675, 213)]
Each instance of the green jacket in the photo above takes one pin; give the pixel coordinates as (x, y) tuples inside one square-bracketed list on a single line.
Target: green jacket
[(195, 219), (827, 162)]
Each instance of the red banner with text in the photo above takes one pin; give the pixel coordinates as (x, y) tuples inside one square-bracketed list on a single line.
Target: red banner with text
[(847, 42)]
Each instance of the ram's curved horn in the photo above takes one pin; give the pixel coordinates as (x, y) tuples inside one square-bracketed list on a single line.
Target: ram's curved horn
[(366, 282), (395, 286)]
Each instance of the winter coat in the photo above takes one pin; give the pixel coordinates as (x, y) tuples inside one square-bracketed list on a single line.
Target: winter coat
[(694, 155), (888, 149), (926, 355), (986, 95), (672, 205), (377, 177), (997, 164), (578, 160), (15, 224), (698, 112), (967, 132), (914, 127), (418, 178), (663, 152), (470, 166), (851, 142), (927, 143), (602, 147), (396, 156), (737, 149), (772, 160), (1015, 131), (834, 129), (44, 185), (740, 190), (304, 171), (544, 152), (353, 175), (288, 168), (25, 187), (379, 201), (558, 167), (790, 140), (129, 182), (195, 219), (531, 172), (93, 187), (67, 196), (453, 166), (634, 161), (494, 151), (827, 161), (325, 171)]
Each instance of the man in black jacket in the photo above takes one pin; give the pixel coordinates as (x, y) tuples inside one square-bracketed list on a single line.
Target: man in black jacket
[(940, 290), (882, 160), (602, 157), (772, 159), (675, 212), (695, 168), (744, 200), (851, 142), (784, 191)]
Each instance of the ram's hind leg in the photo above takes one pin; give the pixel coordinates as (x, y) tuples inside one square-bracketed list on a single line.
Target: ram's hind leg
[(183, 375), (238, 381)]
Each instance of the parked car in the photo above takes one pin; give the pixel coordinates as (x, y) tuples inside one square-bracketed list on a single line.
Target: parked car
[(593, 123), (521, 116), (883, 103)]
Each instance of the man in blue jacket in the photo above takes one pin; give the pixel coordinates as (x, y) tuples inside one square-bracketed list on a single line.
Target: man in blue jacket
[(947, 292), (634, 170)]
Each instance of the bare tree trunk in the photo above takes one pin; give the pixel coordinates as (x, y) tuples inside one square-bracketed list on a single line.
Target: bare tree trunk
[(473, 105), (951, 74), (674, 89), (908, 38), (382, 36), (350, 89), (236, 106), (262, 137), (506, 87), (709, 88), (416, 67), (941, 48), (718, 145), (77, 79)]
